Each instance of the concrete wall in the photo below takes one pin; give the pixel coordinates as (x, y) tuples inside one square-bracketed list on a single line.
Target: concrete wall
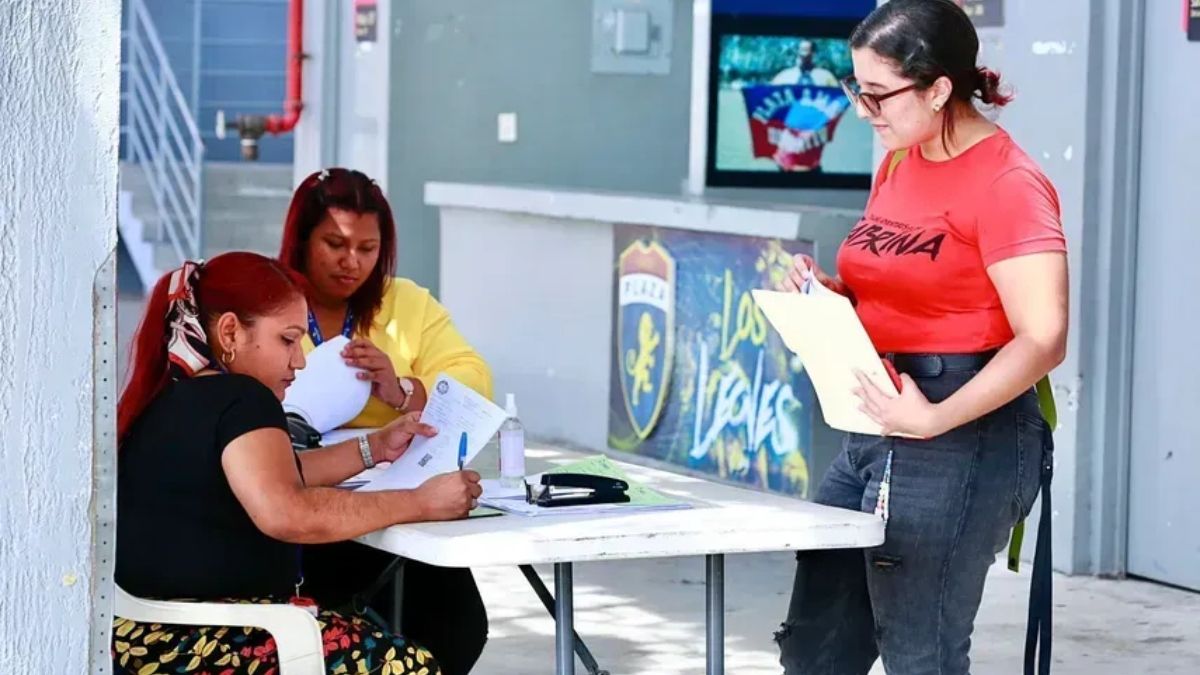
[(456, 64), (1042, 51), (59, 71), (1164, 529), (1075, 65), (548, 335), (453, 71), (553, 353)]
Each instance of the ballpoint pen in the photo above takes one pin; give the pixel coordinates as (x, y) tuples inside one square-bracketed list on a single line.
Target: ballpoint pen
[(462, 450)]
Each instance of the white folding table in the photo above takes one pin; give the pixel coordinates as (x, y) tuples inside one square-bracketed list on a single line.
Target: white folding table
[(725, 520)]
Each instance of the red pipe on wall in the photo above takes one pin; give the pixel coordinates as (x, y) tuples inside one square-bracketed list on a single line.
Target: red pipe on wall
[(293, 104), (250, 128)]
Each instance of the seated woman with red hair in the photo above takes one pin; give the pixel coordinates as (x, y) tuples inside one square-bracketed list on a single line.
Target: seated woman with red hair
[(214, 504)]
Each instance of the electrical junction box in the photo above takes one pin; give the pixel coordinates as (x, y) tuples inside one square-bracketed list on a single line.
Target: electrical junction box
[(632, 37)]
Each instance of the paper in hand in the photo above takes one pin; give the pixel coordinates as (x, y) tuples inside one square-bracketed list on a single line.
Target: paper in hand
[(453, 408), (327, 393), (825, 332)]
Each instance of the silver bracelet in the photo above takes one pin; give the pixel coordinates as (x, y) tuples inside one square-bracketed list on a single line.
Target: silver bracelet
[(364, 449)]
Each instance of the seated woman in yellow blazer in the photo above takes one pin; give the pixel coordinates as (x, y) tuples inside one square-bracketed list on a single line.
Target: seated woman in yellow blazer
[(340, 235)]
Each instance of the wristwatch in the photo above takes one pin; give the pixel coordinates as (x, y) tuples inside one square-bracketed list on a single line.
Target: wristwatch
[(408, 388)]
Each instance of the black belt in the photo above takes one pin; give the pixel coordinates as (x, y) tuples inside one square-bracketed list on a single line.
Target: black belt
[(933, 365)]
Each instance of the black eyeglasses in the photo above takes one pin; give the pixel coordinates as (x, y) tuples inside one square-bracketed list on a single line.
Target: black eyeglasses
[(870, 102)]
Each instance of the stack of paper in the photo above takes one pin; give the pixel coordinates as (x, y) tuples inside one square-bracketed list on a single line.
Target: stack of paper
[(641, 498)]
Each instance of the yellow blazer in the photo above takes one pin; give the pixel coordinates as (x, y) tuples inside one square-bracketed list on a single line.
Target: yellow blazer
[(416, 333)]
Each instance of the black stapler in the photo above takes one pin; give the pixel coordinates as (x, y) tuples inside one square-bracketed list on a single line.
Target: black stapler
[(574, 489)]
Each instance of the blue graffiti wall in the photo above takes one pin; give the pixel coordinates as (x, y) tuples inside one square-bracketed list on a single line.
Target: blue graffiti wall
[(700, 379)]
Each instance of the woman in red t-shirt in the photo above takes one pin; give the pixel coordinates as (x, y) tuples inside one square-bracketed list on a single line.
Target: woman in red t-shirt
[(958, 271)]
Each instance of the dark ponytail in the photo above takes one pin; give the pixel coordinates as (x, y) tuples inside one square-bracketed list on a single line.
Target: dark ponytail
[(988, 90), (929, 39)]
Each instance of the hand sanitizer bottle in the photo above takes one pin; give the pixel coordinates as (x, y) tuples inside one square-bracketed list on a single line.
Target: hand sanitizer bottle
[(512, 447)]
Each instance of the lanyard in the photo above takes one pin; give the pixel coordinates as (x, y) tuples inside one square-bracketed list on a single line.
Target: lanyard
[(314, 331), (299, 569)]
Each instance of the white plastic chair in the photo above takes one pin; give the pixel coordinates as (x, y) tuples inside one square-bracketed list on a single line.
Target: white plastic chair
[(297, 635)]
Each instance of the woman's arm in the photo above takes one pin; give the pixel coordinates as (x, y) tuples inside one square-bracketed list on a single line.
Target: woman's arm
[(333, 464), (1033, 291), (261, 471)]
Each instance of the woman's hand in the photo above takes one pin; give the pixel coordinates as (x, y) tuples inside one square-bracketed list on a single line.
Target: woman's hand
[(803, 267), (449, 496), (377, 368), (909, 413), (391, 441)]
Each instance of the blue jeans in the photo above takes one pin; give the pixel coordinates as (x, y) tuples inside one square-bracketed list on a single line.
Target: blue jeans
[(953, 501)]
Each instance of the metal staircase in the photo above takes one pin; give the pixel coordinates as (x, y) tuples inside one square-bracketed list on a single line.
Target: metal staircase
[(161, 206)]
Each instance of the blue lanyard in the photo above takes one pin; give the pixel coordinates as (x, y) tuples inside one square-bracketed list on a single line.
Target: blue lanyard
[(314, 331)]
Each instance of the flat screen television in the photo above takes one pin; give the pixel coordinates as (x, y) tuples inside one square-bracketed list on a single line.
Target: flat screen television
[(777, 116)]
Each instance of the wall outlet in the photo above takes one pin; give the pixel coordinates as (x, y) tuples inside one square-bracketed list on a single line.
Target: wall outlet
[(506, 127)]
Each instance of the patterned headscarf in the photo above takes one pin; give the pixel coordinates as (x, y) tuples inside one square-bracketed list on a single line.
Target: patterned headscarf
[(187, 345)]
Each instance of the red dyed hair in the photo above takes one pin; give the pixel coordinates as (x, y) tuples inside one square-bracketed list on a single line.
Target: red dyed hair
[(350, 191), (247, 284)]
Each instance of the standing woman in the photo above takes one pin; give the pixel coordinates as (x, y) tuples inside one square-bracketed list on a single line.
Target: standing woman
[(958, 271), (340, 235)]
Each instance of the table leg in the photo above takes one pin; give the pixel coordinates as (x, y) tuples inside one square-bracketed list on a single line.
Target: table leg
[(564, 620), (398, 598), (714, 568), (581, 650)]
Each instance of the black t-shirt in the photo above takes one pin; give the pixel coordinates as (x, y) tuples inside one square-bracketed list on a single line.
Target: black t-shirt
[(181, 532)]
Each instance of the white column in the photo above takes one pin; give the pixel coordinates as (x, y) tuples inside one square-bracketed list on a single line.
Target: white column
[(58, 165)]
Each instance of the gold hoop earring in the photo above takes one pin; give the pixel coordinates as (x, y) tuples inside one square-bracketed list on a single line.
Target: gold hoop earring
[(229, 357)]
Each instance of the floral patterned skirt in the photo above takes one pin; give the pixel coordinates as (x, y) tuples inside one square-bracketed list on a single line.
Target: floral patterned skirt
[(352, 645)]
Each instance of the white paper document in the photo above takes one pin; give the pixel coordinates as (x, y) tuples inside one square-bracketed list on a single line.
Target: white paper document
[(453, 408), (824, 331), (327, 393)]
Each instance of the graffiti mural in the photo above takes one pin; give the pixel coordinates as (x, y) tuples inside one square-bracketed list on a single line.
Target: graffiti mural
[(699, 378)]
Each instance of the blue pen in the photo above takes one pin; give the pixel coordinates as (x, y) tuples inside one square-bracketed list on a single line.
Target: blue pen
[(462, 450)]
